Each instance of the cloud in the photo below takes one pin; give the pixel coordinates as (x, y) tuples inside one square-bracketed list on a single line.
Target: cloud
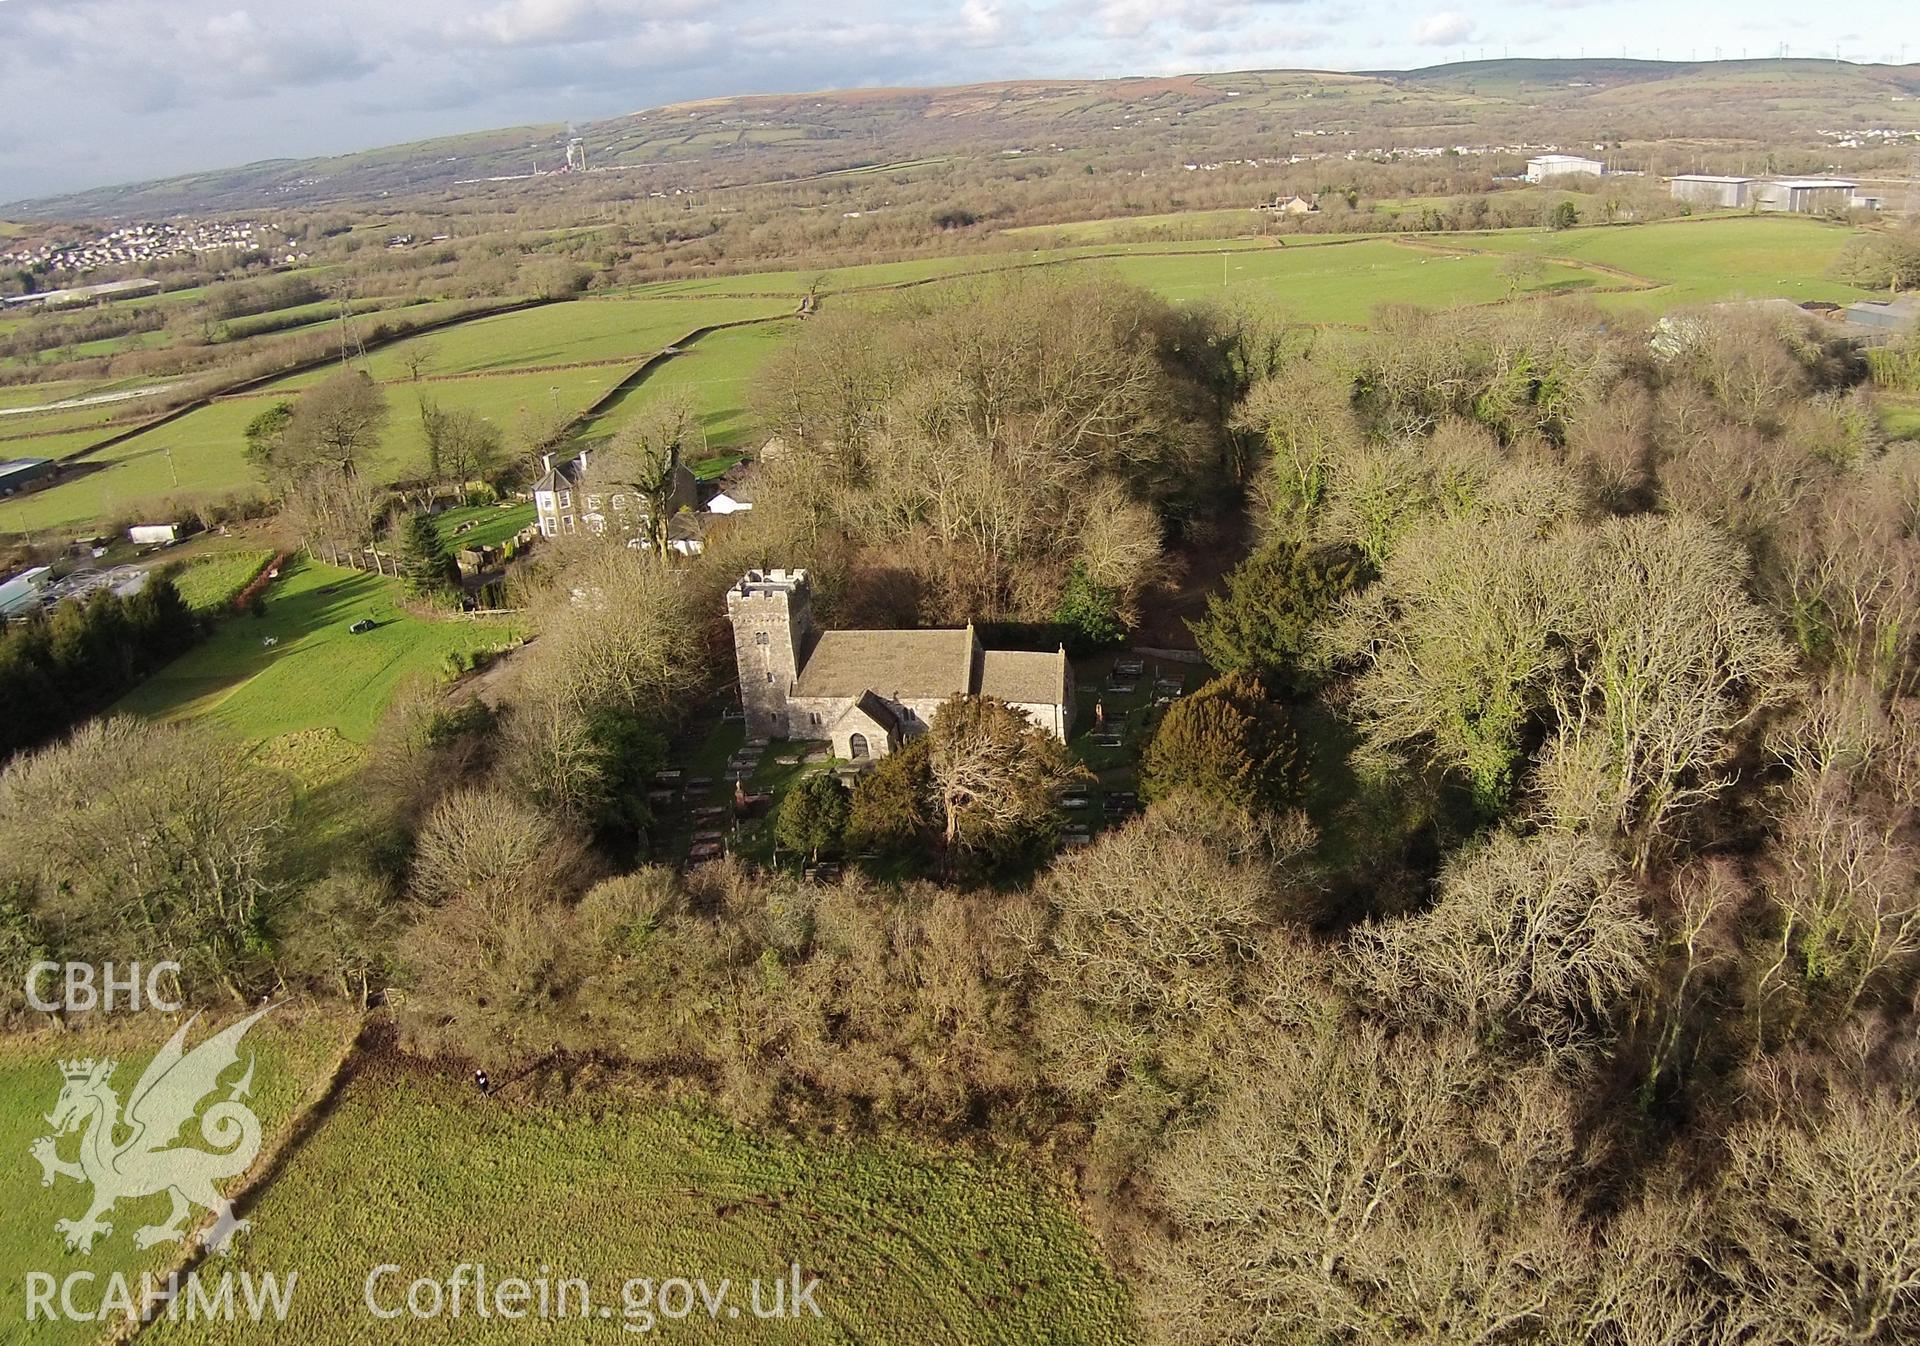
[(1443, 29)]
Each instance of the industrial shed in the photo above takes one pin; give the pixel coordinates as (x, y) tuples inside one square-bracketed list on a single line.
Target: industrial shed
[(18, 473), (1719, 190)]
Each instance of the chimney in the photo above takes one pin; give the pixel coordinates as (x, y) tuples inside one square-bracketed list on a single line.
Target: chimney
[(546, 462), (583, 463)]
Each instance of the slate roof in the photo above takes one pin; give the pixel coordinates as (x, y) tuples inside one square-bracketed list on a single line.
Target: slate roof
[(878, 711), (562, 476), (902, 665), (1024, 677)]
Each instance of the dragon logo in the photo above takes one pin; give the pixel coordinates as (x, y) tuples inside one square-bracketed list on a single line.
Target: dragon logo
[(132, 1156)]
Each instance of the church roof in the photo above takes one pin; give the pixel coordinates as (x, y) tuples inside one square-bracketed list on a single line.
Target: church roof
[(900, 665), (1024, 677), (878, 711)]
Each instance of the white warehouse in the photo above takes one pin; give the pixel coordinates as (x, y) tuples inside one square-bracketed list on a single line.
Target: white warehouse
[(1544, 166), (1725, 191)]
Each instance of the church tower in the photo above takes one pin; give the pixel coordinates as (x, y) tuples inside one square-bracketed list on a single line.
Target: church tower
[(772, 615)]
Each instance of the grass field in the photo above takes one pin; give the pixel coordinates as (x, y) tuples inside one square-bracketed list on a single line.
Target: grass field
[(1698, 261), (296, 1051), (413, 1170), (211, 582), (1901, 418), (1342, 284), (33, 425), (203, 452), (492, 524), (1317, 279), (554, 334), (318, 676), (717, 372)]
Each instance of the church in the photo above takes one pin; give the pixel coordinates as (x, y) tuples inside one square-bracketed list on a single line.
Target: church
[(867, 692)]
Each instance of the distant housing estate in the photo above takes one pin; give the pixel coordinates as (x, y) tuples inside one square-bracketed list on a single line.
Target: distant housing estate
[(867, 692)]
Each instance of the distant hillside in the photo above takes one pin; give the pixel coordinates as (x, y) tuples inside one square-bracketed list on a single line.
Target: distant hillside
[(1770, 105)]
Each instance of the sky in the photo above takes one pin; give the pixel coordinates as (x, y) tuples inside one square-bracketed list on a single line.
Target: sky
[(94, 92)]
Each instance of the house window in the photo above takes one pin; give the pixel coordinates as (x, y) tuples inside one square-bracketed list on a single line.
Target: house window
[(769, 678), (857, 747), (814, 717), (568, 521), (566, 500), (761, 638)]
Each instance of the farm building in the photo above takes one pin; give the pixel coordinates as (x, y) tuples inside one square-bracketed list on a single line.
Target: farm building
[(25, 592), (16, 473), (1805, 196), (870, 691), (1712, 189), (154, 534), (1291, 205), (1544, 166), (85, 294), (1881, 320)]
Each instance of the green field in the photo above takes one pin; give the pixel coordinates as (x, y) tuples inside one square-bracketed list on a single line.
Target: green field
[(1341, 284), (63, 390), (1698, 261), (296, 1051), (1314, 279), (717, 372), (319, 676), (210, 583), (411, 1169), (593, 329), (1190, 223), (38, 424), (203, 452), (1901, 418), (492, 524)]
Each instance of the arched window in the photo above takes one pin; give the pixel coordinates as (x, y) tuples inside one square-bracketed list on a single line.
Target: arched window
[(857, 747)]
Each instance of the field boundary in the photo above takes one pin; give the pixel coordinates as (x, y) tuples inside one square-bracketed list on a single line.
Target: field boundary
[(305, 366), (272, 1161), (1635, 279)]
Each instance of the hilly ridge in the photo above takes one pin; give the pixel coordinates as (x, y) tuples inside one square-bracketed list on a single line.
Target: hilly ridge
[(1780, 105)]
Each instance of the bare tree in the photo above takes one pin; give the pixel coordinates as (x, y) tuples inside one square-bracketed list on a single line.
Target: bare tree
[(138, 841), (1456, 636), (1670, 659), (1538, 936), (1818, 1221), (1350, 1191), (997, 776)]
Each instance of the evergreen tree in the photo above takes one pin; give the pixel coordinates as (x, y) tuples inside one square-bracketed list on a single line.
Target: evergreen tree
[(1263, 624), (426, 566), (813, 817), (1090, 611), (1227, 743)]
